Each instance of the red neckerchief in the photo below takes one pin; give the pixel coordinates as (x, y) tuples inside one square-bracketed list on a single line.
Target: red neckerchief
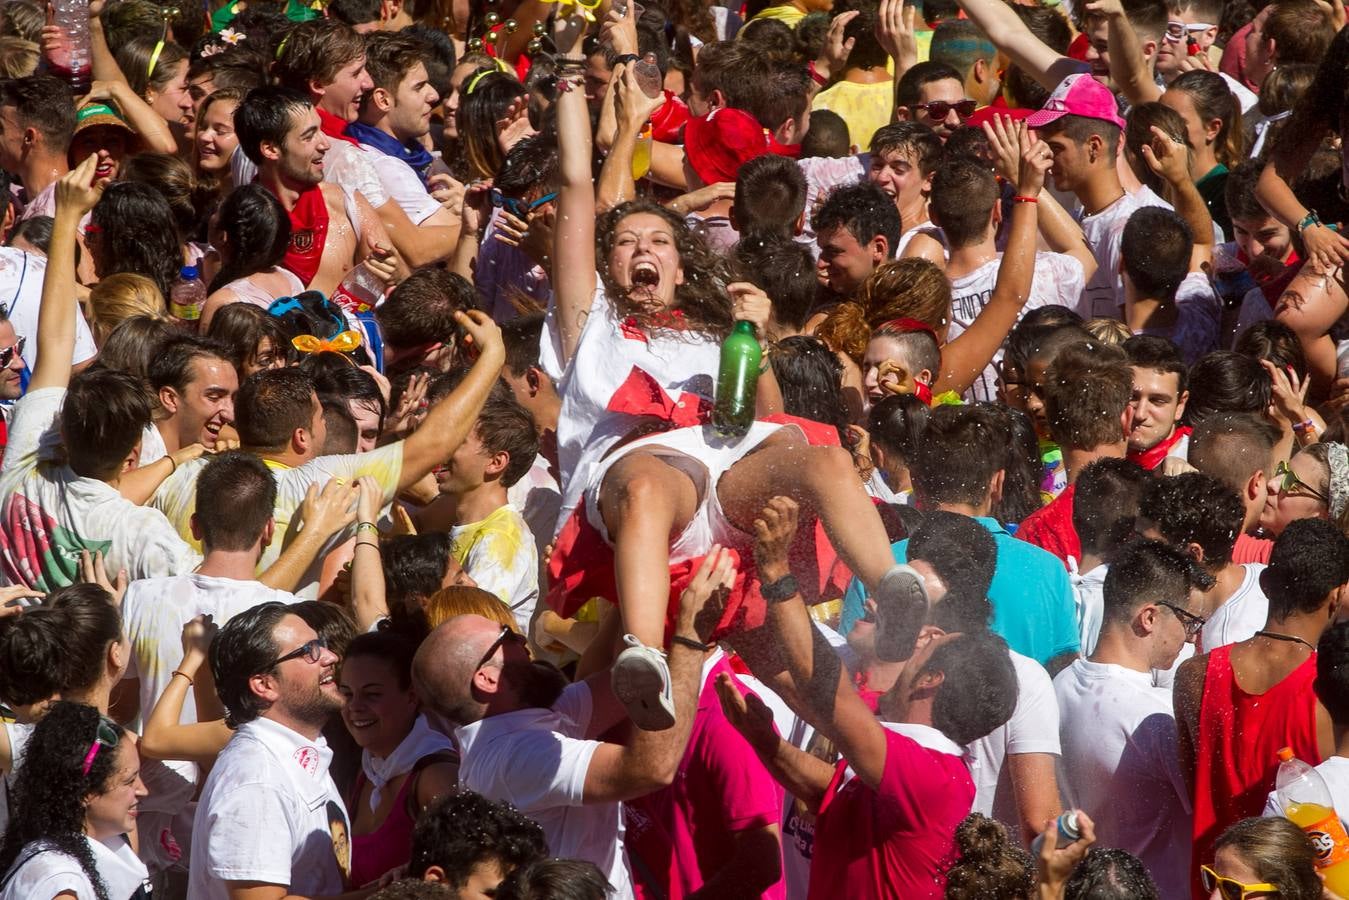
[(673, 319), (334, 127), (1273, 288), (308, 234), (1152, 457)]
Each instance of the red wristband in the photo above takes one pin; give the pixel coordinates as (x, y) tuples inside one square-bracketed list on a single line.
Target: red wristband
[(1020, 199), (815, 75)]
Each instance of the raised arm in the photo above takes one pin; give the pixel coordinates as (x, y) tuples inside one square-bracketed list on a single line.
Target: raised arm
[(1128, 68), (452, 418), (149, 125), (164, 737), (1168, 159), (804, 776), (574, 235), (76, 194), (368, 603), (964, 358), (996, 19), (633, 109), (322, 514)]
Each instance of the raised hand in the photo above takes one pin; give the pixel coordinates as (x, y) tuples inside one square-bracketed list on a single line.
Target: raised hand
[(11, 597), (834, 54), (198, 633), (483, 333), (93, 571), (747, 715), (1036, 158), (700, 604), (78, 190), (751, 304), (1167, 156), (773, 533), (1002, 137), (328, 510), (896, 29)]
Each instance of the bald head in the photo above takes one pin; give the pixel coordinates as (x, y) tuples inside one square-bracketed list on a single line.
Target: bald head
[(445, 664)]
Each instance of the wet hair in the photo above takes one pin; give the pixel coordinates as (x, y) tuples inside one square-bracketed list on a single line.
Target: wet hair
[(115, 299), (131, 345), (1224, 381), (1147, 351), (507, 427), (1274, 341), (702, 297), (420, 310), (1148, 572), (1155, 250), (557, 879), (317, 51), (1108, 873), (271, 405), (770, 195), (1138, 133), (33, 656), (333, 374), (480, 107), (1232, 446), (1195, 508), (916, 349), (964, 193), (245, 647), (811, 379), (134, 56), (531, 163), (864, 211), (172, 365), (962, 448), (911, 83), (1309, 560), (961, 551), (90, 621), (913, 139), (896, 424), (828, 136), (45, 103), (102, 419), (1279, 852), (415, 565), (1041, 338), (1105, 505), (1086, 390), (1023, 469), (783, 269), (521, 336), (173, 178), (978, 693), (257, 232), (241, 327), (464, 829), (990, 866), (51, 790), (1080, 129), (968, 142), (341, 433), (267, 114), (1213, 99), (236, 498), (139, 233)]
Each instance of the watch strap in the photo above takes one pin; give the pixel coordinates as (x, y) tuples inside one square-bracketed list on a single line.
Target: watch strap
[(783, 589)]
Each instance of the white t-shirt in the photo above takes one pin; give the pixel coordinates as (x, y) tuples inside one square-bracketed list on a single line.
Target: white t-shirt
[(1198, 325), (402, 184), (1104, 294), (48, 514), (1089, 595), (21, 276), (1058, 279), (1241, 616), (264, 815), (352, 168), (177, 498), (1033, 728), (498, 554), (1121, 765), (18, 734), (1335, 772), (48, 873), (537, 760)]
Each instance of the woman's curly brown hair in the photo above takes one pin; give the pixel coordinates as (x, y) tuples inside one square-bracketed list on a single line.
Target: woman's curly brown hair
[(702, 298), (905, 288)]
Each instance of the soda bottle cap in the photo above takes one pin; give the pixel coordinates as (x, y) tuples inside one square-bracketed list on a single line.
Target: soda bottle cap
[(1285, 754), (188, 272)]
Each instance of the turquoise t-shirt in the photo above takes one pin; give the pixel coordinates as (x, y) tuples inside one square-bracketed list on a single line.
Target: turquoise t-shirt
[(1033, 608)]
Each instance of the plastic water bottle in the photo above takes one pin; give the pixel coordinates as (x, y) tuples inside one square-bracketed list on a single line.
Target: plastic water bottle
[(1306, 802), (70, 59), (737, 382), (1068, 830), (187, 297), (360, 291)]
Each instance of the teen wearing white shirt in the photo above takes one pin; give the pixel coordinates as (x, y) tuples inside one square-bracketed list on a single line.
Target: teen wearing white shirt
[(270, 822), (1120, 759)]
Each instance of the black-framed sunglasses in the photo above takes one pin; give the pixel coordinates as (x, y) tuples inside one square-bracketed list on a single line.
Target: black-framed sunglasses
[(507, 634), (108, 736), (519, 208), (7, 354), (311, 651), (940, 109), (1288, 481), (1189, 621)]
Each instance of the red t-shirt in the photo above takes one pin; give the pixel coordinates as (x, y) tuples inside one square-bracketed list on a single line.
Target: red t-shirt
[(1051, 527), (896, 842), (1249, 549)]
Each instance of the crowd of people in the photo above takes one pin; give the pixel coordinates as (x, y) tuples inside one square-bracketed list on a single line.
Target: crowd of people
[(395, 504)]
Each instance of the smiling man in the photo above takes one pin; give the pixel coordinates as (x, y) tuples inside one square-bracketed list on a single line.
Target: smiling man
[(857, 229), (1158, 401), (195, 383)]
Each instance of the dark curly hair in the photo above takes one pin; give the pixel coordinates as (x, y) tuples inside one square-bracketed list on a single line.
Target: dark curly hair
[(990, 866), (139, 234), (701, 298), (811, 379), (462, 830), (50, 791)]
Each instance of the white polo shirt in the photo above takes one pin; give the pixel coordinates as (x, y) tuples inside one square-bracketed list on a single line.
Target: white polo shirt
[(264, 816)]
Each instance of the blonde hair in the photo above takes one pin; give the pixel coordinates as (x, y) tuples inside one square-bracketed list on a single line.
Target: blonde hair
[(119, 297), (1108, 330), (18, 57), (910, 288), (462, 600)]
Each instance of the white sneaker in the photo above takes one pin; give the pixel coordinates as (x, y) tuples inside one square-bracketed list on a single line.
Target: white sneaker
[(902, 608), (641, 681)]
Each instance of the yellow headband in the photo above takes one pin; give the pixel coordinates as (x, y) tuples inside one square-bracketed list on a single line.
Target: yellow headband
[(343, 342)]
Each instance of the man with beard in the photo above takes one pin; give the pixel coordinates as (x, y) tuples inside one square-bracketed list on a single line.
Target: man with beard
[(279, 132), (261, 831), (526, 737)]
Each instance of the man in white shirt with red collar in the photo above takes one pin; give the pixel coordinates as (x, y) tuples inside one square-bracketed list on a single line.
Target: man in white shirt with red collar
[(270, 823)]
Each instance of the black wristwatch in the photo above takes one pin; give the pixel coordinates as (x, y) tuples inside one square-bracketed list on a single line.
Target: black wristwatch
[(784, 588)]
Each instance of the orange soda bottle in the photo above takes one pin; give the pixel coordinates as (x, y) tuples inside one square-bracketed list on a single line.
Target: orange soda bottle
[(1306, 802)]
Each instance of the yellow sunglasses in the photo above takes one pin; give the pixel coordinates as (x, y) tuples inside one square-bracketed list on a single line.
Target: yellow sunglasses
[(1230, 888)]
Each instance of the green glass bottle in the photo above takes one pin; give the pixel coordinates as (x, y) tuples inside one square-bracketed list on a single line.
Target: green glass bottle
[(737, 382)]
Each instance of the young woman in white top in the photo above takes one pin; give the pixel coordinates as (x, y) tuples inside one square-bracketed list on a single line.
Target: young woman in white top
[(251, 231), (75, 803)]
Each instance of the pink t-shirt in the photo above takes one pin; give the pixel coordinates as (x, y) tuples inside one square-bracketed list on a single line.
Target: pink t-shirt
[(684, 835), (896, 842)]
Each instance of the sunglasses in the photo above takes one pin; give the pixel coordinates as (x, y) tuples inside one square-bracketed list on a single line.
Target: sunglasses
[(7, 354), (1230, 888), (507, 634), (106, 736), (940, 109), (1176, 31), (519, 208), (1288, 481), (312, 651), (1189, 621)]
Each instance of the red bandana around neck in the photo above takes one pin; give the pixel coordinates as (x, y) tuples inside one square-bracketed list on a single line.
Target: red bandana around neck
[(1152, 457), (308, 234), (334, 127)]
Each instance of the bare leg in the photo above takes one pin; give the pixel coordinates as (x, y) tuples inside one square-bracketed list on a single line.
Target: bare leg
[(645, 504)]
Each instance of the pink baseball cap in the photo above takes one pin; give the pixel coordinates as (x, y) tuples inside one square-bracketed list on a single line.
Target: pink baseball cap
[(1078, 95), (719, 143)]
